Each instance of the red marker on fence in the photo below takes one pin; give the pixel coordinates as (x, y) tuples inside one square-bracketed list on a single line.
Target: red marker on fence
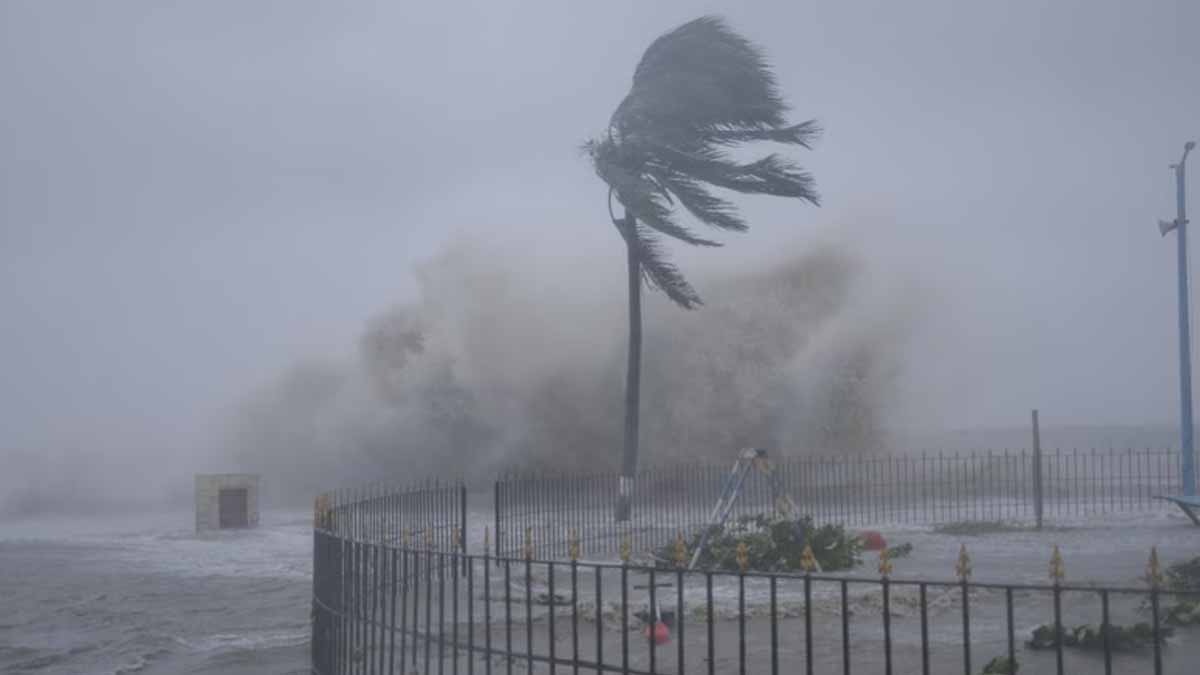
[(662, 634)]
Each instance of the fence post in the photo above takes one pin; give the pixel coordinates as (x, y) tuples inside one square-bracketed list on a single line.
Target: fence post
[(462, 531), (496, 514), (1037, 471)]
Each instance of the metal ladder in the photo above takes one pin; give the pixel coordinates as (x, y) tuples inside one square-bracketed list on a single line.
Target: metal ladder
[(731, 489)]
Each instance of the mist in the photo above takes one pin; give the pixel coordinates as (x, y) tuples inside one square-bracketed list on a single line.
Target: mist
[(328, 241), (494, 366)]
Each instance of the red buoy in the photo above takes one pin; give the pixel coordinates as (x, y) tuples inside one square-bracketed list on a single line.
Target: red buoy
[(872, 540)]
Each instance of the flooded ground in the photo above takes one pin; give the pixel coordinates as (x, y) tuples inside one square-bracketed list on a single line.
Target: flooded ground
[(146, 594)]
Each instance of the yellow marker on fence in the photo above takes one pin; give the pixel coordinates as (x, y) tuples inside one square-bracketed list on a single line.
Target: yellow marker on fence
[(573, 545), (962, 569), (885, 563), (680, 550), (327, 510), (743, 556), (1058, 570), (626, 549), (808, 561), (1154, 575)]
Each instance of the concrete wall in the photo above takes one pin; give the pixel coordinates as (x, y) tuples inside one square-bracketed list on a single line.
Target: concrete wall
[(208, 490)]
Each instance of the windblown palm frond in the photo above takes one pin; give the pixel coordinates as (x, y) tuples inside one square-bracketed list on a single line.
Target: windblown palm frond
[(662, 274), (697, 91)]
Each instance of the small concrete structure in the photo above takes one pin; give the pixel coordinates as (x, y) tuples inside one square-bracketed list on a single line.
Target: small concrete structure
[(226, 500)]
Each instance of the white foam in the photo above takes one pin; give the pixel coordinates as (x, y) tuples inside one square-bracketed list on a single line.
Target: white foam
[(252, 640)]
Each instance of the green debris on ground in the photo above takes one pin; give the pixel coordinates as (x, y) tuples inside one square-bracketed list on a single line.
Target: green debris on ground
[(1091, 637), (1185, 612), (1001, 665), (772, 544), (547, 599), (900, 551), (1180, 586), (1183, 577)]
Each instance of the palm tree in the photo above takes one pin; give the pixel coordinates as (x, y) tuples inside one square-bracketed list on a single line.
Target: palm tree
[(698, 91)]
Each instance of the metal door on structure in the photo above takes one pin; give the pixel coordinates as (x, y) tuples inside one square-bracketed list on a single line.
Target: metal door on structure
[(234, 511)]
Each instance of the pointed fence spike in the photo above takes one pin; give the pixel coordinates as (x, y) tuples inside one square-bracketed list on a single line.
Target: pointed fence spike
[(808, 561), (1058, 570), (885, 563), (962, 569), (680, 550), (1154, 575), (573, 546), (743, 556)]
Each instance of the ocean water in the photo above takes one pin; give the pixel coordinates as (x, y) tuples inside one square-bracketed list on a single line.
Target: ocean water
[(145, 594)]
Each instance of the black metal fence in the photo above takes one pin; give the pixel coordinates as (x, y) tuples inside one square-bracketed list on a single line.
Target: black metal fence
[(433, 513), (395, 589), (929, 488), (382, 607)]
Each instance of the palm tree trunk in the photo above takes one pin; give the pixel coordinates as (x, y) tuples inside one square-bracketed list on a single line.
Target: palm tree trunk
[(633, 377)]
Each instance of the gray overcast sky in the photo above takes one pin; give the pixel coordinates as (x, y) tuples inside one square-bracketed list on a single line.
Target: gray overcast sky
[(195, 194)]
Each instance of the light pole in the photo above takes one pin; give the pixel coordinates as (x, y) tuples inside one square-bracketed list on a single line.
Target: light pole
[(1188, 465)]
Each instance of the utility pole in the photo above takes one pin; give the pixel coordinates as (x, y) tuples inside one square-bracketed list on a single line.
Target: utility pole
[(1188, 464)]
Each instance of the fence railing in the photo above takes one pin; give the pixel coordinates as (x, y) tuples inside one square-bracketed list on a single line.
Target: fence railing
[(433, 513), (389, 608), (395, 589), (928, 488)]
